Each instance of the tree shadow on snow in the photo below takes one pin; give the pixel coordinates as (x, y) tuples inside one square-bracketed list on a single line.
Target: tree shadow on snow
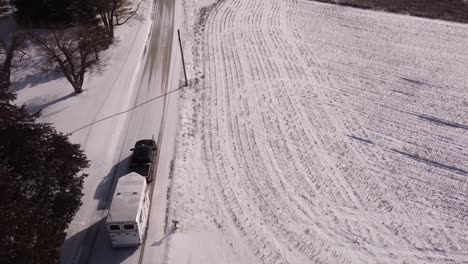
[(106, 187), (36, 78), (30, 70), (37, 109), (434, 163)]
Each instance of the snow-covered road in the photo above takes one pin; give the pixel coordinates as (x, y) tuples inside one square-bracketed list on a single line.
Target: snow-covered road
[(154, 114), (135, 97), (317, 133), (154, 91)]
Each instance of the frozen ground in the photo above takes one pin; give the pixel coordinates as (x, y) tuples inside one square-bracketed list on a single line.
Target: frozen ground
[(316, 133)]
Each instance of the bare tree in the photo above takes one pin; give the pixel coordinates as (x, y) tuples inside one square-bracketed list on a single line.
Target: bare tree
[(73, 52), (10, 46), (115, 13)]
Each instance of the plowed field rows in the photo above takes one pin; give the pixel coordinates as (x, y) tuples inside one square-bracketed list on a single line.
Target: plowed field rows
[(316, 133)]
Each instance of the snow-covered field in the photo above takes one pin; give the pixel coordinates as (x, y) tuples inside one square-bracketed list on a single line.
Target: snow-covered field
[(316, 133)]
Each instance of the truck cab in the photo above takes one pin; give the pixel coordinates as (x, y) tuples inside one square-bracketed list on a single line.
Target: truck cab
[(143, 156)]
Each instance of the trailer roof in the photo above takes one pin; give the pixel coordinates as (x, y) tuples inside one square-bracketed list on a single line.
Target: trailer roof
[(129, 192)]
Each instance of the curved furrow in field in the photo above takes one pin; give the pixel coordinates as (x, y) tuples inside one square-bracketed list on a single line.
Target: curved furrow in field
[(256, 182), (293, 62), (236, 147), (227, 179), (261, 192)]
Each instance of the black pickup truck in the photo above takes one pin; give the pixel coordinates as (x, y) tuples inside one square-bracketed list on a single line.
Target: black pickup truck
[(143, 157)]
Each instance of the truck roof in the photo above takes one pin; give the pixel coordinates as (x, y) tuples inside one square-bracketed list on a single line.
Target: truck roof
[(129, 192)]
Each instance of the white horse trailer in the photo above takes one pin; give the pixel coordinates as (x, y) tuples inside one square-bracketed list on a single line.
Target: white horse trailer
[(128, 214)]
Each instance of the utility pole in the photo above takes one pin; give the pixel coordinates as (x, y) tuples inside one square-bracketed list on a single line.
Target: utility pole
[(183, 61)]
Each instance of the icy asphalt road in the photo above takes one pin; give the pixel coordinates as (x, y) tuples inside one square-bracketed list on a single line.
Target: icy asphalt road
[(153, 113)]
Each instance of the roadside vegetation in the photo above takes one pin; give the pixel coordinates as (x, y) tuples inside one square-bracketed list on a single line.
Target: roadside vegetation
[(40, 185), (41, 171), (450, 10)]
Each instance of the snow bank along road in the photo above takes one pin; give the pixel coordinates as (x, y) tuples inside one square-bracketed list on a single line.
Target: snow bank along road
[(153, 93), (322, 134)]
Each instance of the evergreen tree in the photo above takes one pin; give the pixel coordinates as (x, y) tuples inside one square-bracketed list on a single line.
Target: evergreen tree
[(40, 186)]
